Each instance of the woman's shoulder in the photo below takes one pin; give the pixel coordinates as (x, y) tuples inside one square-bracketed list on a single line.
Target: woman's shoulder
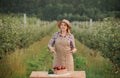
[(56, 33), (71, 35)]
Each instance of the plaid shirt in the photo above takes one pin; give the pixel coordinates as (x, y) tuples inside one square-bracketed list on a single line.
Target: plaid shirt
[(70, 37)]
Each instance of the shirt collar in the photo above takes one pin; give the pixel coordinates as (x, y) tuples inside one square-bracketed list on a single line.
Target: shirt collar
[(64, 36)]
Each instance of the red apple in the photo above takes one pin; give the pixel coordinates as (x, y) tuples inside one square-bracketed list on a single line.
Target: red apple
[(59, 67), (62, 67), (55, 67)]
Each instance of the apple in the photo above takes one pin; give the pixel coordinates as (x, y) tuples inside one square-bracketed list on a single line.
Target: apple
[(55, 67), (59, 67), (62, 67)]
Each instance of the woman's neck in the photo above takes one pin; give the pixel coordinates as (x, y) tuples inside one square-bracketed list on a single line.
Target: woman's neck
[(63, 32)]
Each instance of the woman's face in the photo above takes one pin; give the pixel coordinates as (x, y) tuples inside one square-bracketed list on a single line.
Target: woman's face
[(63, 26)]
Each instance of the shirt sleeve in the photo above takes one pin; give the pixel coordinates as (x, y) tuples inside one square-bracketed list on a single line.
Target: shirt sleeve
[(52, 40), (72, 42)]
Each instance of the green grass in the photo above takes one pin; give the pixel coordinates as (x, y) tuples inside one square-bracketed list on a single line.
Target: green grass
[(37, 58), (93, 63)]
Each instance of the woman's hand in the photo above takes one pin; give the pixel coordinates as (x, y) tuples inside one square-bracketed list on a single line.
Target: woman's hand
[(69, 52), (52, 50), (72, 51)]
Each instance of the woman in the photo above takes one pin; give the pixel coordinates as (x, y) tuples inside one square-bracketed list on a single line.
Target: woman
[(62, 45)]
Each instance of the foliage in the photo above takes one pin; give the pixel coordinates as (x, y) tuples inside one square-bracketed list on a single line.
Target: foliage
[(102, 36), (58, 9), (15, 34)]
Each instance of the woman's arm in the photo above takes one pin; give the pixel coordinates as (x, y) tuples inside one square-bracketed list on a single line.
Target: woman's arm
[(72, 44), (51, 43)]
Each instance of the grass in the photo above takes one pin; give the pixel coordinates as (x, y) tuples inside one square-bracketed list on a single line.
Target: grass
[(93, 63), (37, 57), (20, 63)]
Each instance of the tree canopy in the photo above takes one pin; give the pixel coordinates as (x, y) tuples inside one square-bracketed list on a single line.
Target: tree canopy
[(58, 9)]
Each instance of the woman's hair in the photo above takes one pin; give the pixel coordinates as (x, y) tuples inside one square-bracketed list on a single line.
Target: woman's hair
[(68, 30)]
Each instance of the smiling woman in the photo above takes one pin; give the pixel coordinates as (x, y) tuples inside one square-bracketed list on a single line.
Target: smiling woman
[(62, 45)]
